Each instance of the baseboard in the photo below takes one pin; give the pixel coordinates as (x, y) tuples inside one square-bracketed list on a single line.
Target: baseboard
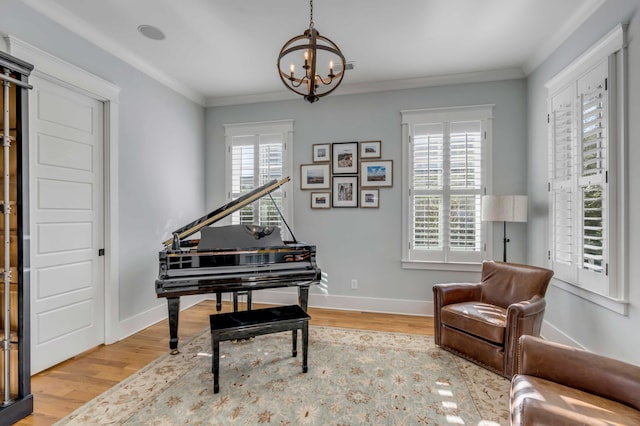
[(147, 318), (554, 334), (347, 303)]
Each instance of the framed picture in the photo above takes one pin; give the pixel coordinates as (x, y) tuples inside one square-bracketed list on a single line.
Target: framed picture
[(370, 149), (314, 176), (345, 191), (345, 157), (320, 200), (376, 173), (321, 153), (370, 198)]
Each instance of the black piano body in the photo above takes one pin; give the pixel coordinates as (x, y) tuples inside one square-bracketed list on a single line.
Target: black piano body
[(233, 258)]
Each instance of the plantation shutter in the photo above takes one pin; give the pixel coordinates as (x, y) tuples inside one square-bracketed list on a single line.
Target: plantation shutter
[(588, 229), (562, 183), (578, 180), (428, 182), (465, 187), (446, 183), (592, 143), (256, 160)]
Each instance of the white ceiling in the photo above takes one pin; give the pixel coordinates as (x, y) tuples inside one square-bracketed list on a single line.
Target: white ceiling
[(220, 52)]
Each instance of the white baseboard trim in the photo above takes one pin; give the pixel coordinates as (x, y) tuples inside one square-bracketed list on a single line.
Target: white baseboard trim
[(347, 303), (554, 334), (154, 315)]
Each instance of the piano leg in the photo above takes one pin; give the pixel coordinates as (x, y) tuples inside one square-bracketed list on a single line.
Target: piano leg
[(303, 296), (218, 302), (235, 299), (173, 304)]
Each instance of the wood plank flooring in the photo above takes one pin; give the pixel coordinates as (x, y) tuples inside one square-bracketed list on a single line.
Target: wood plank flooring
[(63, 388)]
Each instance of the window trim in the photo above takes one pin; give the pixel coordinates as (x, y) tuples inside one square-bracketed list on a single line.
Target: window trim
[(284, 127), (448, 114), (612, 43)]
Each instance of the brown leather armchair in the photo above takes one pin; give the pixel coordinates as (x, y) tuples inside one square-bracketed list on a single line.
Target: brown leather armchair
[(557, 384), (483, 321)]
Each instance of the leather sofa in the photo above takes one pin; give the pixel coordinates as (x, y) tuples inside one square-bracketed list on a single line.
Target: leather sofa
[(557, 384), (483, 321)]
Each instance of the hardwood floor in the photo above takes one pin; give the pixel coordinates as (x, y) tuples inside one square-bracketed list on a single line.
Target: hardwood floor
[(63, 388)]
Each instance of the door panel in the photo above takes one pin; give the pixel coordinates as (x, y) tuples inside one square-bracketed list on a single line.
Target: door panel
[(67, 224)]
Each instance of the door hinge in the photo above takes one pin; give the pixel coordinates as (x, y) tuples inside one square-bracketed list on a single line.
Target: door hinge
[(606, 269), (548, 118), (549, 255), (101, 252), (606, 84)]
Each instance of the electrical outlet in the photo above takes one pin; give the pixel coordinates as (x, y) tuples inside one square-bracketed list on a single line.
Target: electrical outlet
[(354, 284)]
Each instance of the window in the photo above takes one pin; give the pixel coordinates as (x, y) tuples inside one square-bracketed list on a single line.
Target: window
[(258, 153), (585, 172), (445, 163)]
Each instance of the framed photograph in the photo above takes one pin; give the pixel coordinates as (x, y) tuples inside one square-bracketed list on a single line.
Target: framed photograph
[(345, 191), (370, 198), (314, 176), (345, 157), (320, 200), (321, 153), (371, 149), (376, 173)]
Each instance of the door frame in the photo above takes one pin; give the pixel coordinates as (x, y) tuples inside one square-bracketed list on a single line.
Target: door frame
[(60, 72)]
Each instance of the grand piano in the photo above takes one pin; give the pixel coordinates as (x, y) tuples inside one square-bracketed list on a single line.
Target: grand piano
[(232, 259)]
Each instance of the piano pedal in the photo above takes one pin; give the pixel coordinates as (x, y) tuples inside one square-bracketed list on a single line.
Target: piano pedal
[(250, 339)]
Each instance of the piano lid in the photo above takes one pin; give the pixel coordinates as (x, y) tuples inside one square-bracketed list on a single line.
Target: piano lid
[(226, 210)]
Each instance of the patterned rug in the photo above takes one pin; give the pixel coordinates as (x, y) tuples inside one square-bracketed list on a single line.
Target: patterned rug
[(355, 377)]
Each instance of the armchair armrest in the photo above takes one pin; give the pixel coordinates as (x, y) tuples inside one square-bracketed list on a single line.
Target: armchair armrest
[(522, 318), (447, 294), (580, 369)]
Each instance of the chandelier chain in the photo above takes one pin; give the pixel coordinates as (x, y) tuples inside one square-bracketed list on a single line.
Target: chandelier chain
[(310, 14)]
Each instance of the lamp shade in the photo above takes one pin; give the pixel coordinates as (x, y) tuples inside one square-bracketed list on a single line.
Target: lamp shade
[(504, 208)]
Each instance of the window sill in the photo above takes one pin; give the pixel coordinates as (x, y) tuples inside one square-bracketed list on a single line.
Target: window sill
[(616, 305), (441, 266)]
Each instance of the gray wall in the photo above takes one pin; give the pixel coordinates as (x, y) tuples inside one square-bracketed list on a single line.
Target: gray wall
[(586, 323), (161, 167), (365, 244)]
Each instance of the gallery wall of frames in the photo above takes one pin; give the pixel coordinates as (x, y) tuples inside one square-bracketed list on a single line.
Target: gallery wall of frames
[(346, 174)]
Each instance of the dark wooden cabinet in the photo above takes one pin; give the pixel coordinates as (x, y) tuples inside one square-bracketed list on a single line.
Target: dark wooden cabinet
[(16, 400)]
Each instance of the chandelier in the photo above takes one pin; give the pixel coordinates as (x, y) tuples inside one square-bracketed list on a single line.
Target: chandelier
[(299, 60)]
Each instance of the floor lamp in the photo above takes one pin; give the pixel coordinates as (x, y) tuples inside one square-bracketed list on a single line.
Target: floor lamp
[(504, 208)]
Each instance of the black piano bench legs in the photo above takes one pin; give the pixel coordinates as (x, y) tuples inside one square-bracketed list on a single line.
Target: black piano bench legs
[(244, 324)]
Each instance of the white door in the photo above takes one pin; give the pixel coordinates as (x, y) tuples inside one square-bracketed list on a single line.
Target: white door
[(67, 229)]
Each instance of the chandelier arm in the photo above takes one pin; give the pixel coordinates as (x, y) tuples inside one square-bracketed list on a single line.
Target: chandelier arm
[(286, 78)]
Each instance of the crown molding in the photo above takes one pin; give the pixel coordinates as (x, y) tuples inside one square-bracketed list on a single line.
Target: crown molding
[(79, 27), (379, 86), (561, 35)]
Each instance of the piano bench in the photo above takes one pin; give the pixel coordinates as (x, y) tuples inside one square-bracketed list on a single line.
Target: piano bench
[(245, 324)]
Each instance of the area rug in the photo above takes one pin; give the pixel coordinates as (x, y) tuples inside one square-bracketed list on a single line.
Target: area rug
[(355, 377)]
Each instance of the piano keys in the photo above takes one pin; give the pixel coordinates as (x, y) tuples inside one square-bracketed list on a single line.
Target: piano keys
[(232, 258)]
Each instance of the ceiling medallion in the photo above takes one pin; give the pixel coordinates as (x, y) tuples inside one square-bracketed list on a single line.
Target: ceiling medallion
[(298, 60)]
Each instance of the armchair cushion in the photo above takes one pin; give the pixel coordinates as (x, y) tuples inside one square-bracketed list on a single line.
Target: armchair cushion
[(480, 319)]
